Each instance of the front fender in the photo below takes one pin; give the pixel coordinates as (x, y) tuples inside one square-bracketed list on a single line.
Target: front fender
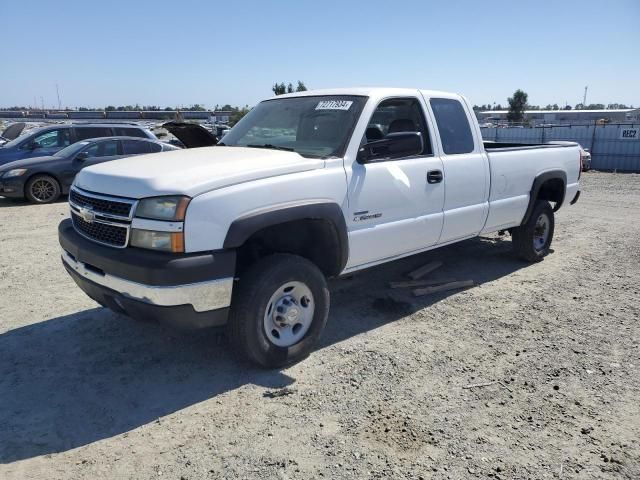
[(242, 228)]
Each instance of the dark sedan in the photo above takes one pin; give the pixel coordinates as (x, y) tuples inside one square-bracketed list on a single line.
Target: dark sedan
[(44, 179)]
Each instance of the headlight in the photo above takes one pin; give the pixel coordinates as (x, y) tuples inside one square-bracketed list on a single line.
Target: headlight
[(16, 172), (164, 241), (163, 208)]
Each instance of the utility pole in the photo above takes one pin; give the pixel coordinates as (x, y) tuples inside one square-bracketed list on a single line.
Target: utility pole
[(584, 99), (58, 94)]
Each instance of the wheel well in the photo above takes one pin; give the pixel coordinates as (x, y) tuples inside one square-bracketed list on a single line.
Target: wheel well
[(316, 240), (553, 191)]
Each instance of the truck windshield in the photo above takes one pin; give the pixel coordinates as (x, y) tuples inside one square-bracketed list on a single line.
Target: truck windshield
[(313, 126)]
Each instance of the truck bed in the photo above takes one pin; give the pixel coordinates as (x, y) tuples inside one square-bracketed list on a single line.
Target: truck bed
[(498, 146)]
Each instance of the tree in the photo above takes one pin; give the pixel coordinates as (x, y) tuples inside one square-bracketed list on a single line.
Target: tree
[(237, 114), (279, 88), (282, 88), (517, 106)]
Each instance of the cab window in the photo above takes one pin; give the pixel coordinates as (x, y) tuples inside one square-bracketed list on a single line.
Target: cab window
[(52, 139), (398, 115), (107, 148), (135, 147), (453, 126), (82, 133)]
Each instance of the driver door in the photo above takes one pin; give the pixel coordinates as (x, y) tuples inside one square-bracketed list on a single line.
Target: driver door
[(393, 208)]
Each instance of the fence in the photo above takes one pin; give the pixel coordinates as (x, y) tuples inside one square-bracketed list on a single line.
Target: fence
[(609, 150)]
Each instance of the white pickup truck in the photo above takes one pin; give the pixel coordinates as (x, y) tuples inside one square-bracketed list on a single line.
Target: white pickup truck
[(306, 186)]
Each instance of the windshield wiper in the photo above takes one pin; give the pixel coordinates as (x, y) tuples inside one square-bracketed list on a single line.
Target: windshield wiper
[(272, 147)]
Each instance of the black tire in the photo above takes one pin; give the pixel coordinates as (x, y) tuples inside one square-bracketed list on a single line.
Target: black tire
[(42, 189), (246, 327), (529, 243)]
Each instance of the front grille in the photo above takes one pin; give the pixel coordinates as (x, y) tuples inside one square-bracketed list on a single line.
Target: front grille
[(101, 232), (101, 205)]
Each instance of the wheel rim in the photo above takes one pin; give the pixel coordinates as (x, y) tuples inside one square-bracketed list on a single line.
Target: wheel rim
[(289, 314), (541, 232), (43, 190)]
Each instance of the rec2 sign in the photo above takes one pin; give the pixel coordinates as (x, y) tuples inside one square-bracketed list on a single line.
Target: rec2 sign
[(630, 134)]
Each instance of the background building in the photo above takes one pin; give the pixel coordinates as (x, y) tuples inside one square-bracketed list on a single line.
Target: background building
[(576, 117)]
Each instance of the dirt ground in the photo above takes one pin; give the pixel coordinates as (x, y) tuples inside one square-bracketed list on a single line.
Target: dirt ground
[(85, 394)]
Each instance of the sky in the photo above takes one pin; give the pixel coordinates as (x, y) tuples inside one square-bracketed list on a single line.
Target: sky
[(232, 51)]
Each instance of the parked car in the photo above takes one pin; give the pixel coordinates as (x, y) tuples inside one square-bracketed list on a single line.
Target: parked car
[(44, 179), (48, 140), (585, 155), (306, 186)]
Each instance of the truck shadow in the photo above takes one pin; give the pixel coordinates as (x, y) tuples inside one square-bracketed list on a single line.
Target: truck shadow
[(73, 380)]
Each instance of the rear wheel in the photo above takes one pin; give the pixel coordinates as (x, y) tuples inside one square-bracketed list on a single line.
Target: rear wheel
[(42, 189), (279, 309), (532, 240)]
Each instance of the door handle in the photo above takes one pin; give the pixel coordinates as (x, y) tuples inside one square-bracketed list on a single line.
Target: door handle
[(434, 176)]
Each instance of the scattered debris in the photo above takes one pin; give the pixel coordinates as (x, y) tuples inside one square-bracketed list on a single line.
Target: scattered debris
[(282, 392), (478, 385), (443, 288), (419, 283), (422, 271)]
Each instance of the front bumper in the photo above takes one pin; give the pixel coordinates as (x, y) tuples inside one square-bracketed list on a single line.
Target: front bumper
[(12, 188), (188, 290)]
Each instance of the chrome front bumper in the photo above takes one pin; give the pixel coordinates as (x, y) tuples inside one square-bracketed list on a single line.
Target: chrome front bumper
[(202, 296)]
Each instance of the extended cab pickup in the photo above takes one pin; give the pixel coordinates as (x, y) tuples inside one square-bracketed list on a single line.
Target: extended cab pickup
[(306, 186)]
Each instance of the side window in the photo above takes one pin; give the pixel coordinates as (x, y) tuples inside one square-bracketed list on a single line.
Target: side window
[(453, 126), (130, 132), (135, 147), (107, 148), (53, 138), (154, 147), (82, 133), (398, 115)]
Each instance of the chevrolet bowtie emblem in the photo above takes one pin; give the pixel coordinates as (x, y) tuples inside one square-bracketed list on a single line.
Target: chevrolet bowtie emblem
[(87, 214)]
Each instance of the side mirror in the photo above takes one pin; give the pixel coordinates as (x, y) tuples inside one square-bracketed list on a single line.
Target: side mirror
[(393, 145), (82, 156)]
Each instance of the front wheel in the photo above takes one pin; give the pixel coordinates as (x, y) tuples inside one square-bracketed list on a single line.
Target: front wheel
[(42, 189), (532, 240), (279, 309)]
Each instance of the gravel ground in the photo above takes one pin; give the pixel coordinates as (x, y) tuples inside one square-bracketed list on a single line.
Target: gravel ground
[(86, 394)]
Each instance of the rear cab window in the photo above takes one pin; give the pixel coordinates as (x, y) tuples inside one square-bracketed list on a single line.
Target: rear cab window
[(453, 125), (82, 133), (130, 132)]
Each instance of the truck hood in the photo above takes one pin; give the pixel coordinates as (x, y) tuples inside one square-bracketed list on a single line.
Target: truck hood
[(190, 172)]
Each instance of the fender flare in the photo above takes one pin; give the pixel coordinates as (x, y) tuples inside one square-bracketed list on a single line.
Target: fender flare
[(242, 228), (537, 185)]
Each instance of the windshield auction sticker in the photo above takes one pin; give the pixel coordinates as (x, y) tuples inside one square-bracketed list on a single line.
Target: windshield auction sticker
[(334, 105)]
